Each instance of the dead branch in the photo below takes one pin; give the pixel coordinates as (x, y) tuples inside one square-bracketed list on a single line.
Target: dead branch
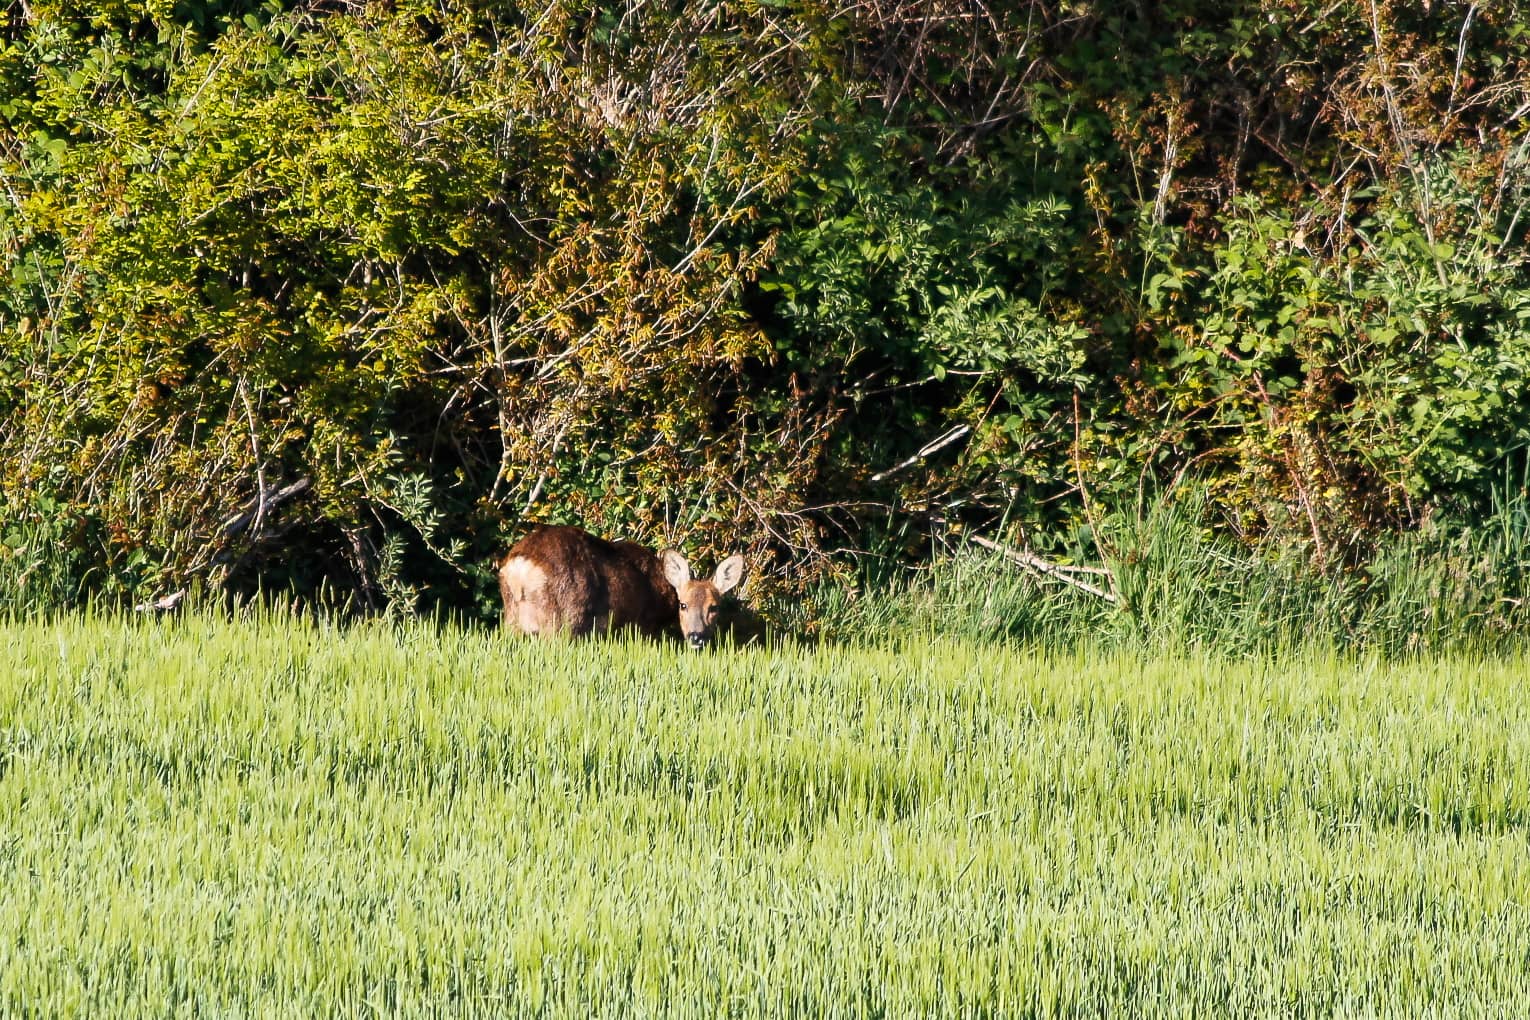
[(255, 511), (1053, 571), (939, 443)]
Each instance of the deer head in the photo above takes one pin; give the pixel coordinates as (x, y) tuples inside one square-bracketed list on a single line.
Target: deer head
[(699, 599)]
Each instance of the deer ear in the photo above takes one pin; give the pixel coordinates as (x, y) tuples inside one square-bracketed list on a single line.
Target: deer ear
[(729, 573), (676, 571)]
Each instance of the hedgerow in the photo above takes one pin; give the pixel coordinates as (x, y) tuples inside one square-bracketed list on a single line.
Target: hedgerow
[(335, 297)]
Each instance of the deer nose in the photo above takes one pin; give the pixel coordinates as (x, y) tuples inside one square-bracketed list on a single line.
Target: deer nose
[(695, 640)]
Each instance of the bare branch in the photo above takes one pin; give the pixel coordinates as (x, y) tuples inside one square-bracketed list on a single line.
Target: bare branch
[(1036, 565), (934, 445)]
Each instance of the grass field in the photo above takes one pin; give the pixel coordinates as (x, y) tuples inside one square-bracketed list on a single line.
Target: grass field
[(275, 818)]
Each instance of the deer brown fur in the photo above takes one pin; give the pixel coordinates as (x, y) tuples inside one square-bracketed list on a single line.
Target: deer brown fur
[(561, 579)]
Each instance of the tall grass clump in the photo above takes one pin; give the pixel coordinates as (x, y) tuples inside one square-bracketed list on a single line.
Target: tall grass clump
[(1182, 585), (278, 817), (42, 557)]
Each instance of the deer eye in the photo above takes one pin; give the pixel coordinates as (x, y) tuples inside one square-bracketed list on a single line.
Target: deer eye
[(683, 606)]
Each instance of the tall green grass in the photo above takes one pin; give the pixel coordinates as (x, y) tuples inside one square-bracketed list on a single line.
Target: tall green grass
[(270, 817), (1185, 588), (42, 557)]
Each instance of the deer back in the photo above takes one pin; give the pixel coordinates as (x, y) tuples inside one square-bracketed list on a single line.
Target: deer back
[(563, 579)]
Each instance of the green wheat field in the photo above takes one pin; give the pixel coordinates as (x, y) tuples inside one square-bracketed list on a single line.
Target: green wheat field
[(269, 817)]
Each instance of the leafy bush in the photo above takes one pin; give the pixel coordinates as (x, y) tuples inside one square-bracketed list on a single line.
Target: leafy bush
[(336, 297)]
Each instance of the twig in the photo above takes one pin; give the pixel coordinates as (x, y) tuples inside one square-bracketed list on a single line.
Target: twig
[(1083, 489), (257, 508), (260, 460), (1030, 561), (1455, 79), (936, 444)]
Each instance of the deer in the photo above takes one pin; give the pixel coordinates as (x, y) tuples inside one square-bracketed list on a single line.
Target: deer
[(564, 580)]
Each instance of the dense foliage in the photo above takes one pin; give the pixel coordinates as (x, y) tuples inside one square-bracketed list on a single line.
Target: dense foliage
[(333, 296)]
